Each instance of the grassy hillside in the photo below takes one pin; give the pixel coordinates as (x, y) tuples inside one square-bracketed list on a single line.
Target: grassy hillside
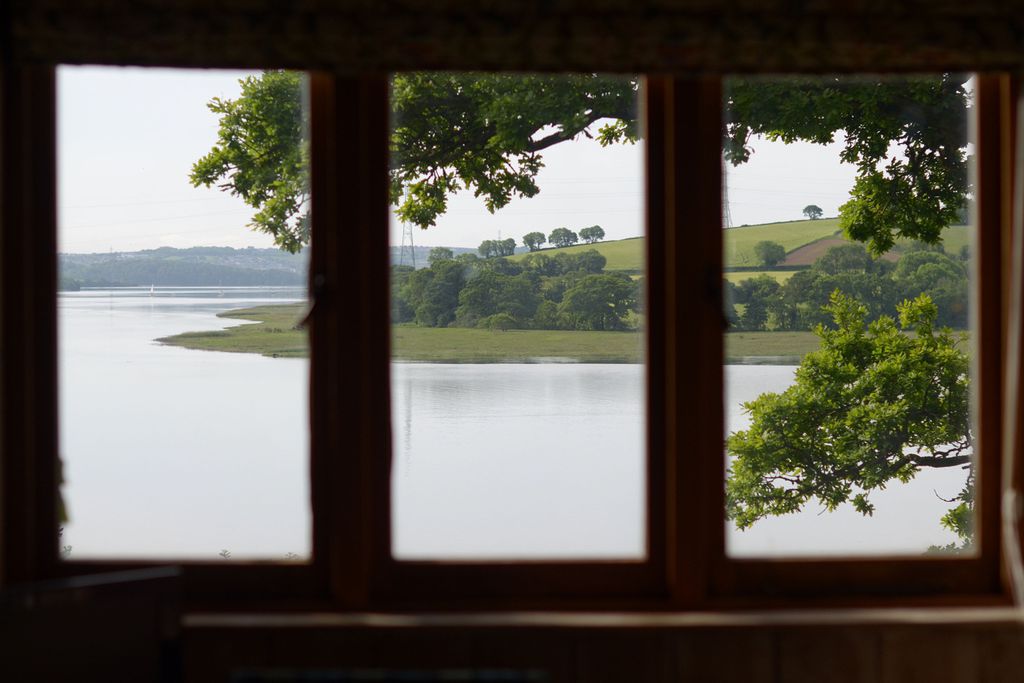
[(628, 254), (954, 238), (739, 242), (625, 254)]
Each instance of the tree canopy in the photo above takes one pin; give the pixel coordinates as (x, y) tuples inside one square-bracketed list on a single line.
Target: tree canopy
[(876, 402), (595, 233), (906, 135), (813, 211), (563, 237), (769, 253), (533, 240), (487, 132)]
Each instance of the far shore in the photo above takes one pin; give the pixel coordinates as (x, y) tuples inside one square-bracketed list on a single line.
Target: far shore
[(274, 331)]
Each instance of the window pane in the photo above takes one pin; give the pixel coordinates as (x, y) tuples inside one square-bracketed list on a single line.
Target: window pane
[(847, 268), (517, 376), (183, 373)]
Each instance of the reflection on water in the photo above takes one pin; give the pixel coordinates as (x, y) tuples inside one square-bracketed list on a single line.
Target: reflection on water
[(518, 461)]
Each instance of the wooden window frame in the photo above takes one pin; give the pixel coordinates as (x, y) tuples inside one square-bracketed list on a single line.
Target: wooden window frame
[(352, 568)]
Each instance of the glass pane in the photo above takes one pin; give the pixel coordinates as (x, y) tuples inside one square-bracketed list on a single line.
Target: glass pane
[(847, 268), (183, 372), (517, 264)]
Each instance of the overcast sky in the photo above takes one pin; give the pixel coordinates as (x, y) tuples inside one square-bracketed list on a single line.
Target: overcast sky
[(129, 136)]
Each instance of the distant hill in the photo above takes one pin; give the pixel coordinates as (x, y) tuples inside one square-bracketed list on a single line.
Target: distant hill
[(197, 267), (803, 240)]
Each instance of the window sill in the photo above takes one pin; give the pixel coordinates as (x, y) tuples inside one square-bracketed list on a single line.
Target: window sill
[(842, 617)]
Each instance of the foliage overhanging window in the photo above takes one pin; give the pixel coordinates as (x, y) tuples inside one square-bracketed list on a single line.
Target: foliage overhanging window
[(848, 260)]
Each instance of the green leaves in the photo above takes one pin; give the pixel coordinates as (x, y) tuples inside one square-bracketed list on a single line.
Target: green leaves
[(485, 132), (261, 155), (906, 136), (875, 403)]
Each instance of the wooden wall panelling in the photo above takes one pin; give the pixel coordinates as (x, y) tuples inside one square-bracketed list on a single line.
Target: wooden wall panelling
[(846, 655), (724, 655)]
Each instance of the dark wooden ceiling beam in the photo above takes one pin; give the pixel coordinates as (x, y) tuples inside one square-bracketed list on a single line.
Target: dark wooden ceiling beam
[(588, 35)]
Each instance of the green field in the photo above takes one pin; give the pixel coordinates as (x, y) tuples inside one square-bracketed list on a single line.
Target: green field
[(738, 276), (778, 347), (627, 254), (468, 345), (270, 331), (954, 238), (739, 242)]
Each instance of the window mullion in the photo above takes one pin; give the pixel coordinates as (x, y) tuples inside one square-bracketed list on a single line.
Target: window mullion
[(690, 254), (350, 331)]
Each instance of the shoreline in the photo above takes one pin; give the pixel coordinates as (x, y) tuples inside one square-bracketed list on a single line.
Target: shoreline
[(272, 330)]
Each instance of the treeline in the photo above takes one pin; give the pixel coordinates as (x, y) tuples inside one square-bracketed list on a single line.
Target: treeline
[(762, 303), (559, 237), (540, 291)]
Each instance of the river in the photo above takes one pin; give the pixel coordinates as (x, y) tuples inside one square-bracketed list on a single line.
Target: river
[(170, 452)]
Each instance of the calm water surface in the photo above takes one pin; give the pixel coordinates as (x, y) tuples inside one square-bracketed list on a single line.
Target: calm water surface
[(179, 453), (172, 452)]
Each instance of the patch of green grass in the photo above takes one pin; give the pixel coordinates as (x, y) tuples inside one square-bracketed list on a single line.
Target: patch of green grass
[(782, 347), (739, 242), (274, 332), (469, 345), (738, 276), (954, 238)]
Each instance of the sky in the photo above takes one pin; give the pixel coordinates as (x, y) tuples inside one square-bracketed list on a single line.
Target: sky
[(127, 138)]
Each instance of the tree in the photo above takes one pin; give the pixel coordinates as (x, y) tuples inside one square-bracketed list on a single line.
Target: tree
[(844, 258), (590, 261), (757, 294), (563, 237), (507, 247), (873, 404), (438, 293), (487, 132), (769, 253), (533, 240), (261, 155), (599, 302), (440, 254), (813, 211), (592, 234)]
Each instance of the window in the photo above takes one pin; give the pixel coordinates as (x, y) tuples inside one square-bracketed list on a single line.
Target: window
[(169, 450), (685, 563), (517, 373), (823, 439)]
